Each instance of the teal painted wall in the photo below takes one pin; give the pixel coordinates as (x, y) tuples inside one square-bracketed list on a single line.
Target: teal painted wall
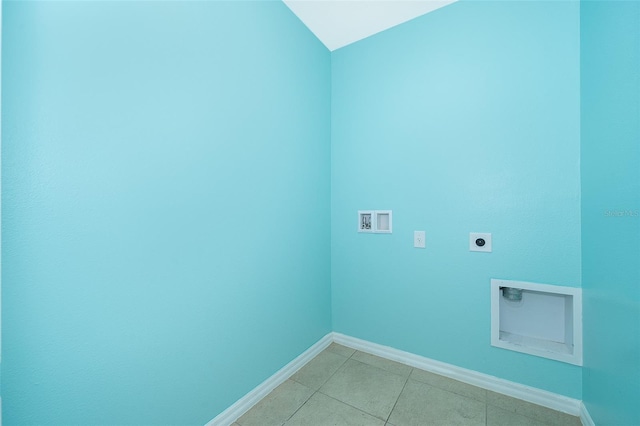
[(166, 219), (463, 120), (0, 205), (158, 183), (610, 55)]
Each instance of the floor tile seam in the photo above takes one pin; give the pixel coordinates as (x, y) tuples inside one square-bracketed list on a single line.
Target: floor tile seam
[(486, 412), (545, 422), (324, 382), (484, 403), (300, 407), (381, 369), (313, 392), (300, 383), (386, 359), (398, 398), (536, 406), (486, 397), (354, 407), (342, 355), (453, 392), (335, 372)]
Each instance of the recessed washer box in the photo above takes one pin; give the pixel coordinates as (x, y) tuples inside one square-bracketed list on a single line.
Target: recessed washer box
[(366, 220), (375, 221), (546, 321)]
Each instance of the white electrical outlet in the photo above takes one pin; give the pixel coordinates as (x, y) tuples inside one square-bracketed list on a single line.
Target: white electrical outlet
[(418, 239), (480, 241)]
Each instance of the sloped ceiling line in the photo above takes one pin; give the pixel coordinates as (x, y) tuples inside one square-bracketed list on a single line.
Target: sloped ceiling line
[(338, 23)]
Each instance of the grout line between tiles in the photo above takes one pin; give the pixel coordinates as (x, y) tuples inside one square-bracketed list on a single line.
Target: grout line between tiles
[(486, 411), (398, 398), (385, 420), (300, 407), (388, 417), (355, 408), (315, 391)]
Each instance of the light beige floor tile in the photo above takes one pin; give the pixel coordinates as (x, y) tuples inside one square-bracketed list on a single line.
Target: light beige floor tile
[(322, 410), (385, 364), (567, 420), (533, 411), (341, 350), (499, 417), (319, 369), (450, 385), (368, 388), (422, 404), (278, 406)]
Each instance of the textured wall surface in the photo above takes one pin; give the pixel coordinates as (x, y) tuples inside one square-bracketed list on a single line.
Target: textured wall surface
[(610, 44), (166, 178), (463, 120)]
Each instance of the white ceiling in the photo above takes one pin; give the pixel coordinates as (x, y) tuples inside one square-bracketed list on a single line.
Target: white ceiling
[(340, 22)]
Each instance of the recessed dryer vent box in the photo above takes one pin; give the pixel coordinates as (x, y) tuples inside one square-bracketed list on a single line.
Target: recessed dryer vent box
[(537, 319)]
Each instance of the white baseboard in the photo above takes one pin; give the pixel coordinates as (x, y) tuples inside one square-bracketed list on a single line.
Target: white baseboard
[(245, 403), (526, 393), (495, 384), (585, 417)]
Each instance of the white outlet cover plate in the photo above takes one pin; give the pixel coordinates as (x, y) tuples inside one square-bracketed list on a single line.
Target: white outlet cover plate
[(418, 239), (473, 236)]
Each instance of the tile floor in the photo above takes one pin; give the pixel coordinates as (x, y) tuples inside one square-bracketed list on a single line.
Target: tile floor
[(342, 386)]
